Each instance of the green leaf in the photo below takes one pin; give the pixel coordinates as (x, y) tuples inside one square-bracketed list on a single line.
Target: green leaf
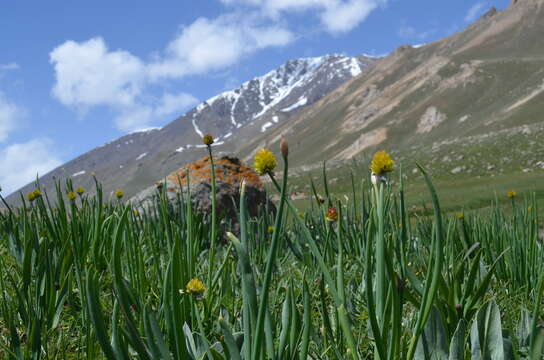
[(432, 342), (457, 345), (486, 334)]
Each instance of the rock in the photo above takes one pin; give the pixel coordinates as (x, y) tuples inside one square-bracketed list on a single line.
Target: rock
[(430, 119), (458, 169), (229, 172), (490, 13)]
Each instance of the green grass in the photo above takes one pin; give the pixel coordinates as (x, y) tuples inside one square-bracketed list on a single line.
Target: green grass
[(95, 279)]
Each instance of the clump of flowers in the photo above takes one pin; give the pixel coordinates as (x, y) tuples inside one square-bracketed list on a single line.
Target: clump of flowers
[(80, 190), (195, 287), (381, 165), (207, 139), (265, 162), (332, 214), (511, 194), (119, 194), (33, 195), (71, 196)]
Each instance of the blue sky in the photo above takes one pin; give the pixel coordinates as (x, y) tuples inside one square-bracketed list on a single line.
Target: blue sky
[(74, 75)]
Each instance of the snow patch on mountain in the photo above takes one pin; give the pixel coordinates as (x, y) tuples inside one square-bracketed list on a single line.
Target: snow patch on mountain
[(146, 130), (279, 85), (301, 102), (197, 129), (141, 156), (79, 173), (266, 126)]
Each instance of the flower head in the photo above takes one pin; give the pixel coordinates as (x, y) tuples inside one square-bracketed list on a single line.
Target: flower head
[(207, 139), (270, 229), (33, 195), (320, 199), (460, 215), (265, 162), (136, 212), (195, 287), (119, 194), (381, 163), (80, 190), (71, 196), (332, 214), (511, 194)]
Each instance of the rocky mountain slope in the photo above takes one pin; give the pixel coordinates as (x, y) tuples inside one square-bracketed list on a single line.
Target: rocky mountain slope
[(134, 161), (451, 103)]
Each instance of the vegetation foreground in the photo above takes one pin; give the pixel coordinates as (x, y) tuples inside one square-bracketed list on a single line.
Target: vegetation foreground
[(352, 278)]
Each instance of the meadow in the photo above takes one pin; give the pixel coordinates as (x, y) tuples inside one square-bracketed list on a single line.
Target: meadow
[(356, 276)]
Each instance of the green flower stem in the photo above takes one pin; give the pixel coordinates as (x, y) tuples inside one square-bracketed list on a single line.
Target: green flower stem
[(214, 224), (269, 266), (381, 285)]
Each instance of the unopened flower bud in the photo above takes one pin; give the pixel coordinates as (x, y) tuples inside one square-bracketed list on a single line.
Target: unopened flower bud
[(284, 147)]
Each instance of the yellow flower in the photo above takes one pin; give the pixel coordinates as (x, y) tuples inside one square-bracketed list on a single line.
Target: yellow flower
[(195, 287), (332, 214), (381, 163), (270, 229), (71, 196), (265, 162), (136, 212), (80, 190), (460, 215), (511, 193), (33, 195), (119, 194), (207, 139)]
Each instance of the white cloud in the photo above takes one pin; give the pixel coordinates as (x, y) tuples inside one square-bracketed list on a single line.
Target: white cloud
[(213, 44), (10, 66), (10, 115), (475, 11), (409, 32), (88, 74), (134, 118), (170, 104), (347, 15), (337, 16), (21, 163)]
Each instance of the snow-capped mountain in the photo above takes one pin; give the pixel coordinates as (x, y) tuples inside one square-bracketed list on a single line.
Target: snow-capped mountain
[(135, 160), (293, 85)]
